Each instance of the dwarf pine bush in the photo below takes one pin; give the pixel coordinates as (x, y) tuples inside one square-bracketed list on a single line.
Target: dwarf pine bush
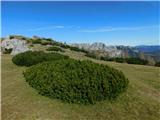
[(30, 58), (74, 81), (53, 48)]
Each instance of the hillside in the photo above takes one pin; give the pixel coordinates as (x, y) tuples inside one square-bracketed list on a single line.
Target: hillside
[(140, 102), (22, 102), (15, 44), (80, 60)]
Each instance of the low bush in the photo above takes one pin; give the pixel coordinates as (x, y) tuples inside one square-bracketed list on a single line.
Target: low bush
[(157, 64), (17, 37), (72, 48), (46, 43), (120, 60), (77, 49), (91, 55), (7, 51), (54, 43), (136, 61), (48, 39), (53, 48), (64, 46), (73, 81), (36, 41), (31, 45), (126, 60), (106, 58), (31, 58)]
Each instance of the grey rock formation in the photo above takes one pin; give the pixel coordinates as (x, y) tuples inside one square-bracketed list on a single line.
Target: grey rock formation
[(16, 45), (112, 51)]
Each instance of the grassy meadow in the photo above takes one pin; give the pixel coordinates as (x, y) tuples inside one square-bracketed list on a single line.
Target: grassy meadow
[(140, 102)]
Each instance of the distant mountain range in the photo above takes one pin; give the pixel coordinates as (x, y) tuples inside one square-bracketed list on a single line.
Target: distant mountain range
[(150, 53), (148, 48)]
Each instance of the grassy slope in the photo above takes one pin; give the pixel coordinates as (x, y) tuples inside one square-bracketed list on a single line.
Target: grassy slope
[(140, 102)]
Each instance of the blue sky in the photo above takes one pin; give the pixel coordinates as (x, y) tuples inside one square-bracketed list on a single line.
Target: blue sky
[(113, 23)]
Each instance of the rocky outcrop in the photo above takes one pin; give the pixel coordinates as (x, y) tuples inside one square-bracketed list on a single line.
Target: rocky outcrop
[(111, 51), (15, 46)]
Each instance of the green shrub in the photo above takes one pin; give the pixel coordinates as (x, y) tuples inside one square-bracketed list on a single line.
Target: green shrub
[(106, 58), (31, 45), (48, 39), (56, 43), (157, 64), (77, 49), (73, 81), (31, 58), (120, 60), (136, 61), (64, 46), (53, 48), (8, 51), (36, 41), (91, 55), (17, 37), (127, 60), (46, 42)]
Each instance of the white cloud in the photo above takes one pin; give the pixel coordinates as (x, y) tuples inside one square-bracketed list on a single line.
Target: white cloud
[(104, 29), (47, 28), (53, 27), (110, 29), (60, 26)]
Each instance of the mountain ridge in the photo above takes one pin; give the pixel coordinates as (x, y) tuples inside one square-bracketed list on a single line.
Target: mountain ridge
[(99, 49), (122, 50)]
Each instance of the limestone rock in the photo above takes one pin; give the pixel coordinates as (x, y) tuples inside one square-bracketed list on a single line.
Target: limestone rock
[(111, 51), (16, 46)]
